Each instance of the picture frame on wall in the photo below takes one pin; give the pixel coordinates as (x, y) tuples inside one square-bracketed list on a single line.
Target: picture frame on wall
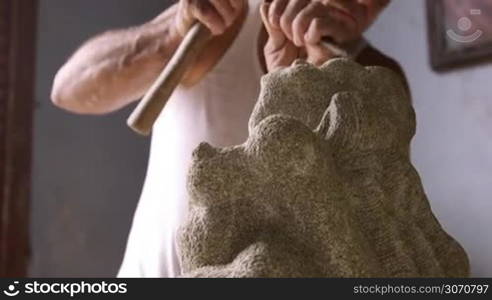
[(460, 32)]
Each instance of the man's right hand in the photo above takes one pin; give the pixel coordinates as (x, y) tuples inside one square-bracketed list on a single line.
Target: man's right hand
[(216, 15)]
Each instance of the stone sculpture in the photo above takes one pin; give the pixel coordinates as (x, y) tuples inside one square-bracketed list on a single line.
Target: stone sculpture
[(323, 187)]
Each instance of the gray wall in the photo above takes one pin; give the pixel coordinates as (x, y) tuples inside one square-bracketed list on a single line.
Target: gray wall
[(88, 171), (453, 146)]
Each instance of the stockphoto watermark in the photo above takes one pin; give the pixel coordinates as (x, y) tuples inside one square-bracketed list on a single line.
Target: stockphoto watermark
[(465, 25), (70, 289)]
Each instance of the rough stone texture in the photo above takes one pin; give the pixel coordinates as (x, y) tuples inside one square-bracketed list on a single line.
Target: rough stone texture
[(323, 187)]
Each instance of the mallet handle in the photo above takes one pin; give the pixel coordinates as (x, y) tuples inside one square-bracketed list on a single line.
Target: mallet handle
[(148, 110)]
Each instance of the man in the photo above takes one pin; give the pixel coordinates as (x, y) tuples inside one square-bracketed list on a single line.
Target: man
[(213, 104)]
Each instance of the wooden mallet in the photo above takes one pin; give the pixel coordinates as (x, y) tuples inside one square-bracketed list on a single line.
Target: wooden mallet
[(148, 110)]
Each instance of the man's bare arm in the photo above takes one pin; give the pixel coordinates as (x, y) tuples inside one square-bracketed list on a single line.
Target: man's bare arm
[(116, 67)]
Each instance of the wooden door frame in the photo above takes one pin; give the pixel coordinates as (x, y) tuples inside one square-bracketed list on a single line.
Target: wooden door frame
[(18, 22)]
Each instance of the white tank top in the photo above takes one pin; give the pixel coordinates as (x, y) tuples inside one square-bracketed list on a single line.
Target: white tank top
[(216, 110)]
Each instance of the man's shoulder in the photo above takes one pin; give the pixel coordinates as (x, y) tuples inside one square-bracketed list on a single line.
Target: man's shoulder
[(371, 56)]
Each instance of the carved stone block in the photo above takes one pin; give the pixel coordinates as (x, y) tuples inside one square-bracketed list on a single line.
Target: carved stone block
[(323, 187)]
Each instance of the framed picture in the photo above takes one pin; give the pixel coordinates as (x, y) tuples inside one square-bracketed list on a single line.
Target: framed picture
[(460, 32)]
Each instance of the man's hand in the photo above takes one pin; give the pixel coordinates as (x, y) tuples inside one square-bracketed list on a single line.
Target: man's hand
[(296, 28), (279, 51), (216, 15)]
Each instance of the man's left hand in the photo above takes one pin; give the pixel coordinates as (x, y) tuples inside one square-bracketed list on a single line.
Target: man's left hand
[(303, 24)]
